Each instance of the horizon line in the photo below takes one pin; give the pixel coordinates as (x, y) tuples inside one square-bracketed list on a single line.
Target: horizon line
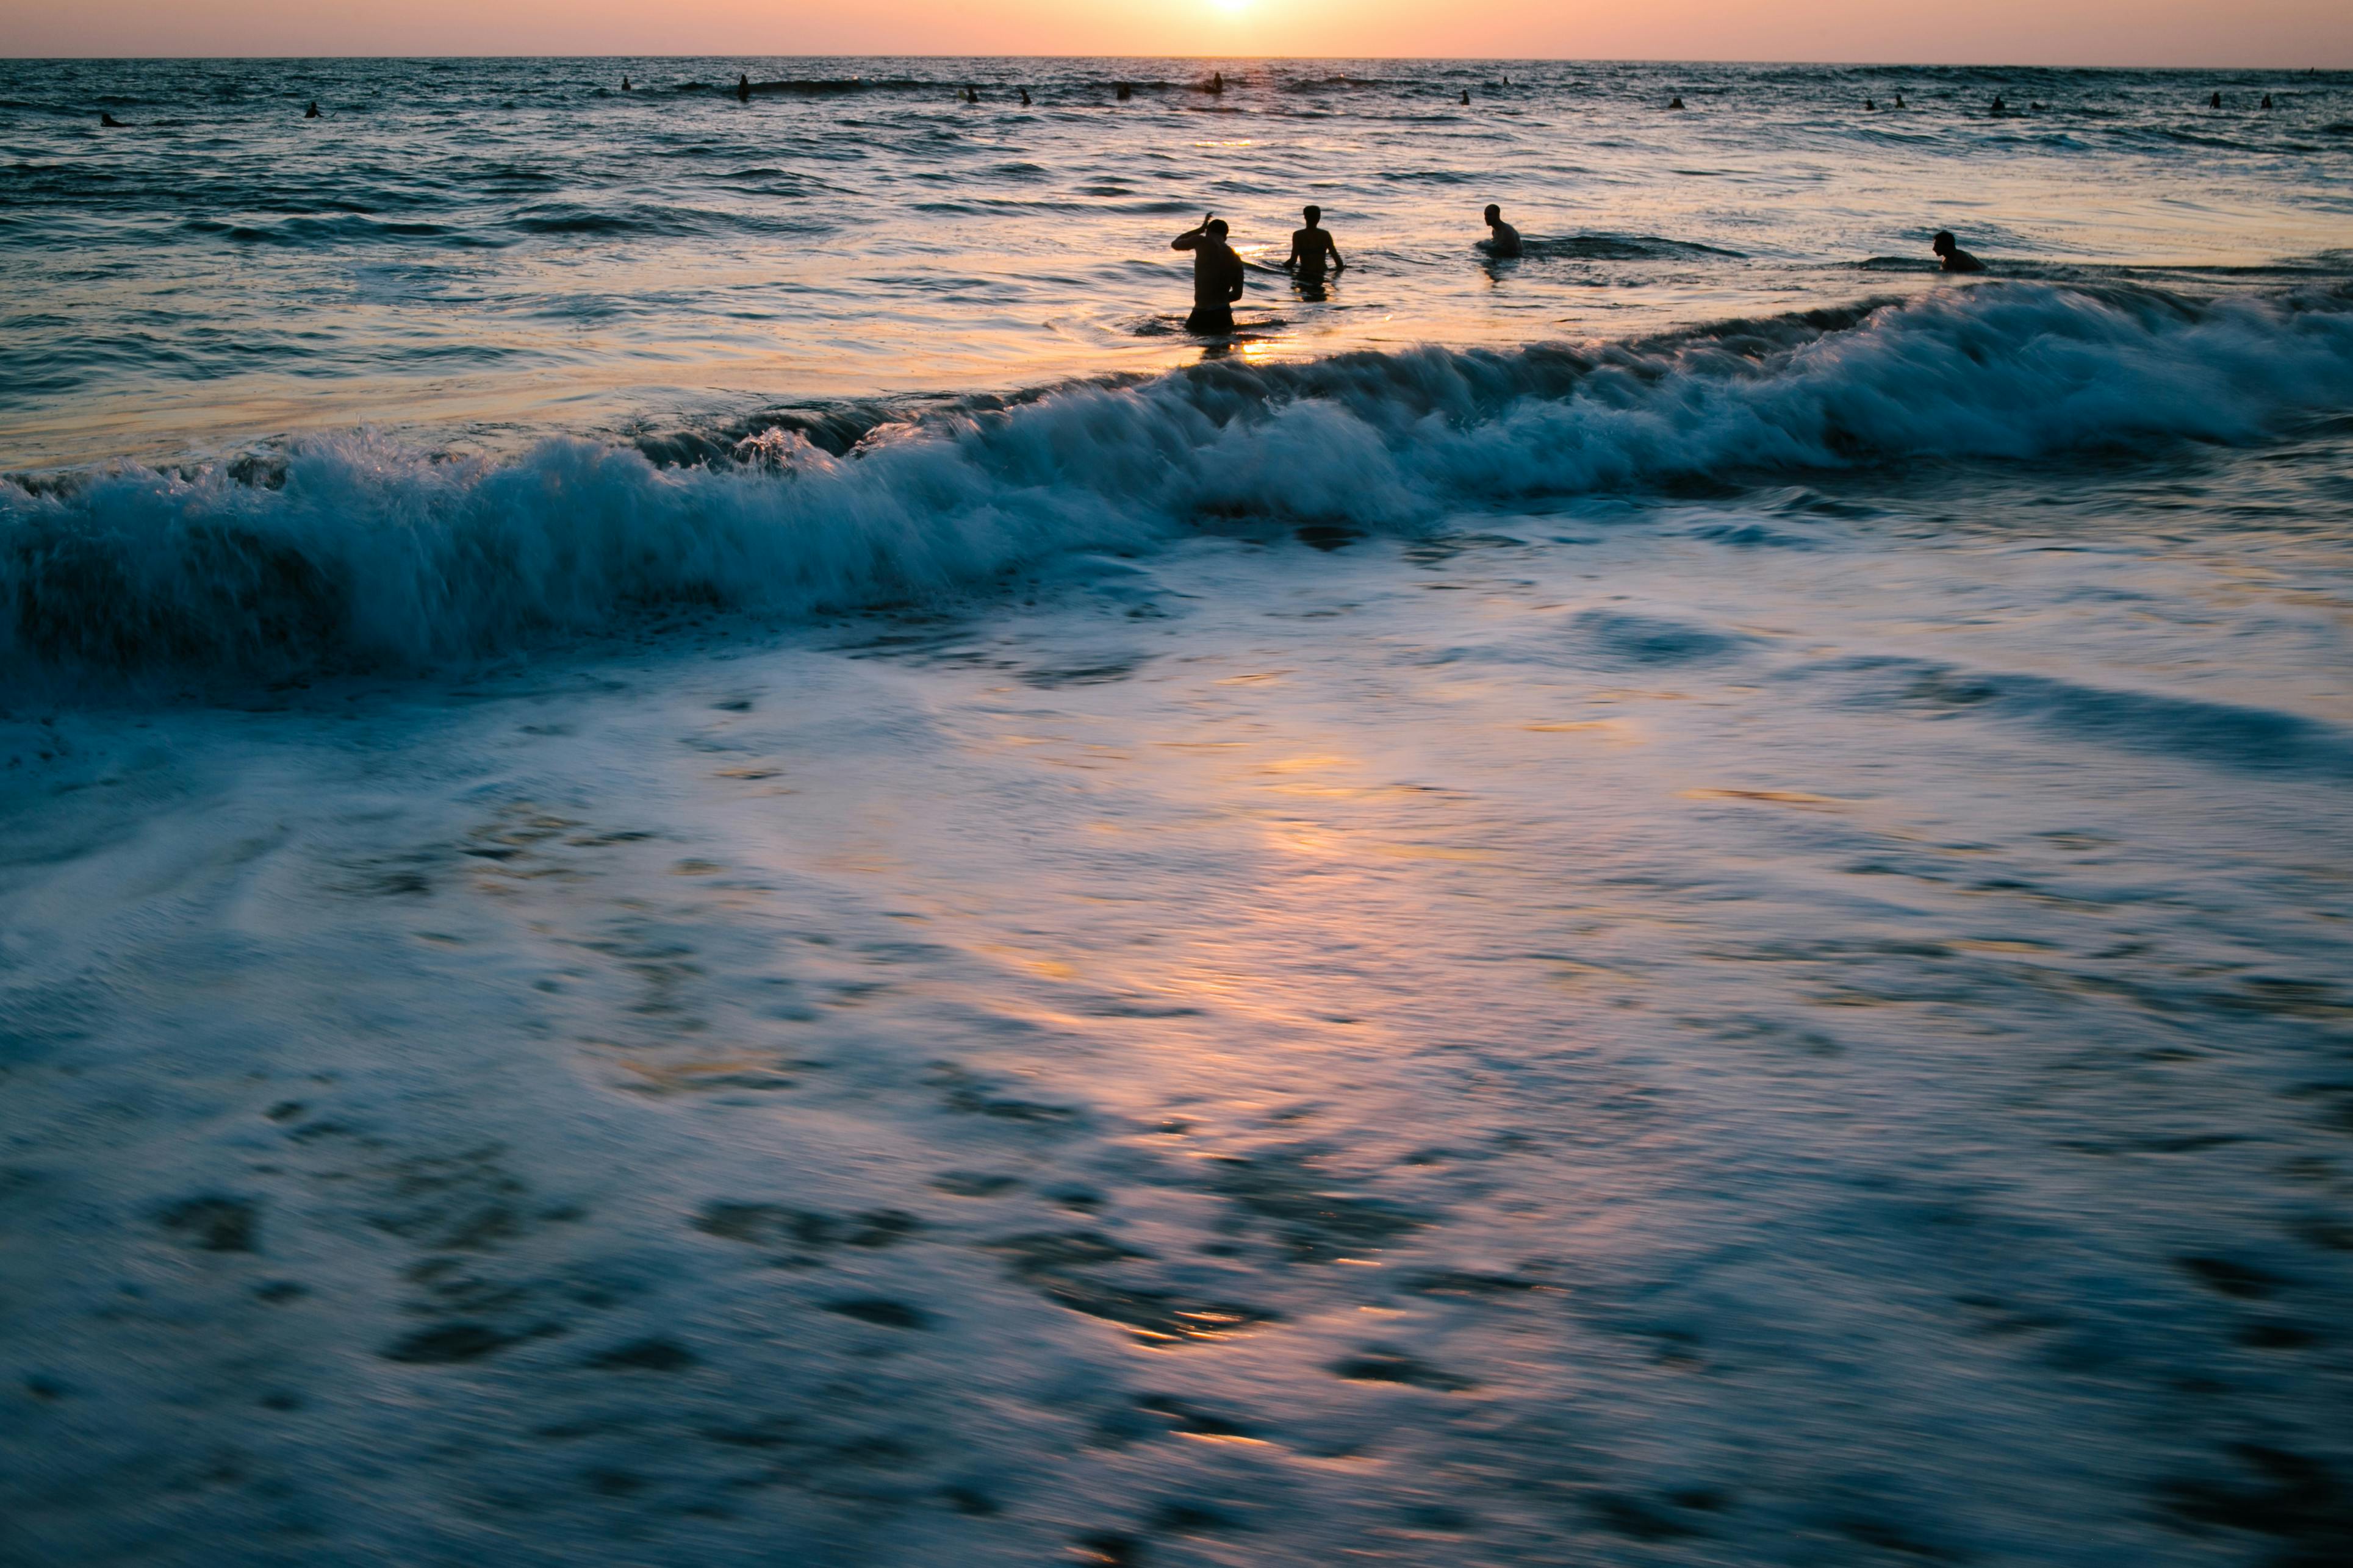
[(1498, 60)]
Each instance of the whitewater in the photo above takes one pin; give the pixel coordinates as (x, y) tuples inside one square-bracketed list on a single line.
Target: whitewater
[(708, 857)]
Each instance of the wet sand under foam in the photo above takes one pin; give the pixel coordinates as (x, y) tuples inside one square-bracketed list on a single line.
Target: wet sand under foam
[(1597, 1034)]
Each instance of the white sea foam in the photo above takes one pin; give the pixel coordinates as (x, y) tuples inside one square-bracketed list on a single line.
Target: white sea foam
[(362, 551)]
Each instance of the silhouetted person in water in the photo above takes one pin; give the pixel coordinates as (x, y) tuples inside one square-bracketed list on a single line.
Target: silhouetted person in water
[(312, 113), (1466, 98), (2215, 101), (1955, 258), (1868, 104), (1218, 82), (1899, 100), (1678, 103), (624, 81), (2267, 100), (1025, 97), (108, 122), (970, 96), (743, 87), (1997, 106), (1125, 93), (1311, 247), (1217, 276), (1502, 241)]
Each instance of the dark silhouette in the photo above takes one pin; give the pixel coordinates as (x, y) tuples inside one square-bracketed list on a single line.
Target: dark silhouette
[(970, 96), (2034, 106), (1502, 241), (1025, 97), (1899, 100), (743, 87), (107, 121), (312, 113), (1956, 259), (2267, 100), (1997, 107), (1868, 104), (624, 81), (1466, 98), (1678, 103), (1125, 93), (2214, 101), (1309, 249), (1218, 82), (1217, 276)]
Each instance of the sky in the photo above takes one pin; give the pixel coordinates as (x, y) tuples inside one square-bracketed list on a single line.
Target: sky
[(2275, 34)]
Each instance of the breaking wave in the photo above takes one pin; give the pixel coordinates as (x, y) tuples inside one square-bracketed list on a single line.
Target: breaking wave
[(355, 550)]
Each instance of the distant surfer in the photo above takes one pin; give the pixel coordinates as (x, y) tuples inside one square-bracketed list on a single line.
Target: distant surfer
[(312, 113), (2267, 100), (1677, 103), (1125, 93), (1218, 82), (624, 81), (1311, 247), (2214, 101), (743, 87), (107, 121), (970, 96), (1997, 108), (1899, 100), (1466, 98), (1217, 276), (1869, 106), (1025, 97), (1955, 258), (1502, 241)]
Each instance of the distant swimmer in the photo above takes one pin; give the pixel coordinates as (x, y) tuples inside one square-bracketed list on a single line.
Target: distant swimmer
[(1503, 241), (1218, 82), (2267, 100), (1125, 93), (107, 121), (1956, 259), (1311, 247), (624, 81), (2214, 101), (1899, 100), (970, 96), (743, 87), (1678, 103), (312, 113), (1997, 106), (1025, 97), (1466, 98), (1217, 276), (1869, 105)]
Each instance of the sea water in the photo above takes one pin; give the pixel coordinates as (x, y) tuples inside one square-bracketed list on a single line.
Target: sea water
[(709, 858)]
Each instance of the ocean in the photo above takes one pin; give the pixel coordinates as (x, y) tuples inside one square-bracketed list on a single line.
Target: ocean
[(707, 856)]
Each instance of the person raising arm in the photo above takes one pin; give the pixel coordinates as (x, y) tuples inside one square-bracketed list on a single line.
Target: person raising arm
[(1217, 276)]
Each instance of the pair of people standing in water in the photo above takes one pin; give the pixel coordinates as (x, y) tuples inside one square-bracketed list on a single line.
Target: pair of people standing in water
[(1217, 273)]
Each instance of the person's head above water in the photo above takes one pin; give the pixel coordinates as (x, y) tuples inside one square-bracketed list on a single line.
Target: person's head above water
[(1494, 215), (1215, 228), (1313, 214), (1943, 242)]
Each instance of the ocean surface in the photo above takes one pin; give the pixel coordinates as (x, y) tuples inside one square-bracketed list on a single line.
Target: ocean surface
[(709, 857)]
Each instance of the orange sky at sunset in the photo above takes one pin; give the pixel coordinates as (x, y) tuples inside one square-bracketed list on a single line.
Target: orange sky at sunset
[(2278, 33)]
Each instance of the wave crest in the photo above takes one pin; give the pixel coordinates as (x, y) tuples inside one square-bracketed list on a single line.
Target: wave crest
[(354, 550)]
